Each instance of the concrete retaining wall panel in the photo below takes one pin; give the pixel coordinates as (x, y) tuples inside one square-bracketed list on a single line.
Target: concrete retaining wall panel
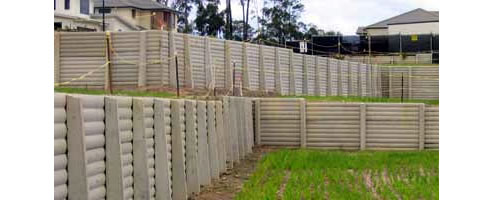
[(325, 130), (344, 76), (311, 74), (217, 51), (392, 126), (179, 50), (277, 128), (284, 69), (323, 71), (237, 58), (269, 67), (254, 66), (158, 58), (93, 114), (197, 54), (60, 147), (432, 127), (333, 65), (298, 72)]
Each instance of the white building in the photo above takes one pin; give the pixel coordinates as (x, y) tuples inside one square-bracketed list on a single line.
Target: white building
[(120, 15), (418, 21), (75, 15), (131, 15)]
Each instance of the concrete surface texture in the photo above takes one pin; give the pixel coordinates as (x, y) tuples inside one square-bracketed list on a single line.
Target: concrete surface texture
[(108, 147)]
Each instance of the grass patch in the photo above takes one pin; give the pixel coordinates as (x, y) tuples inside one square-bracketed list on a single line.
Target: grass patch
[(363, 99), (317, 174), (409, 65), (116, 92)]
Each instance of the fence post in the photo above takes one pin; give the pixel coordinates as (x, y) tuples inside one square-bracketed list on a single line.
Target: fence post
[(142, 61), (349, 79), (304, 76), (220, 135), (317, 90), (359, 80), (228, 65), (339, 79), (212, 140), (78, 187), (204, 171), (114, 171), (162, 176), (421, 126), (278, 79), (258, 121), (245, 77), (140, 157), (410, 89), (187, 62), (292, 78), (262, 80), (328, 78), (362, 126), (177, 147), (192, 168), (302, 109), (227, 132), (369, 80), (57, 57), (208, 65), (390, 81), (172, 63)]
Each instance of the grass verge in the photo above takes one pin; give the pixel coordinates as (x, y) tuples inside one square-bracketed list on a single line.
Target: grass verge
[(317, 174), (363, 99), (410, 65)]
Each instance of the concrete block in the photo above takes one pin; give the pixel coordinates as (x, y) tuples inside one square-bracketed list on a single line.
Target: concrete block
[(78, 187), (192, 168), (212, 140), (162, 165), (203, 154), (178, 151), (114, 165), (140, 159), (220, 135)]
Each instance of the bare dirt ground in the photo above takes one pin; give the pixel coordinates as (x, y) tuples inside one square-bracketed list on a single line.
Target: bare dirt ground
[(231, 182)]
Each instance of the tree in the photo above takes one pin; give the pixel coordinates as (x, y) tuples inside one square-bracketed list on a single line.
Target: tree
[(238, 30), (229, 21), (209, 21), (245, 18), (280, 20), (184, 6)]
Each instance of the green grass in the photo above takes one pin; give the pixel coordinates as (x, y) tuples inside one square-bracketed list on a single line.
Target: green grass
[(117, 92), (410, 65), (363, 99), (317, 174)]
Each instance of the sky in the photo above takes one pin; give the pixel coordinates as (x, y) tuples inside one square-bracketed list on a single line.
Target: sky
[(344, 15)]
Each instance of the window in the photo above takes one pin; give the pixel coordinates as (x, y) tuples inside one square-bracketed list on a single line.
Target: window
[(55, 4), (67, 4), (104, 10), (84, 7), (134, 13)]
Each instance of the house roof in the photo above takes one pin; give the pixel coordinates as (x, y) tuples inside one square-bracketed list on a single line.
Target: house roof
[(138, 4), (418, 15), (360, 30)]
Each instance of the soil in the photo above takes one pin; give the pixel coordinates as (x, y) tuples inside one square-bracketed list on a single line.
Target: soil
[(231, 182)]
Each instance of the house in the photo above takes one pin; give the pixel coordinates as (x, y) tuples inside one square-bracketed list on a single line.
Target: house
[(418, 21), (132, 15), (75, 15)]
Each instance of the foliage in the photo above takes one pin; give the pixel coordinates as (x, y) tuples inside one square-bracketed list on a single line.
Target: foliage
[(184, 6), (209, 21)]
